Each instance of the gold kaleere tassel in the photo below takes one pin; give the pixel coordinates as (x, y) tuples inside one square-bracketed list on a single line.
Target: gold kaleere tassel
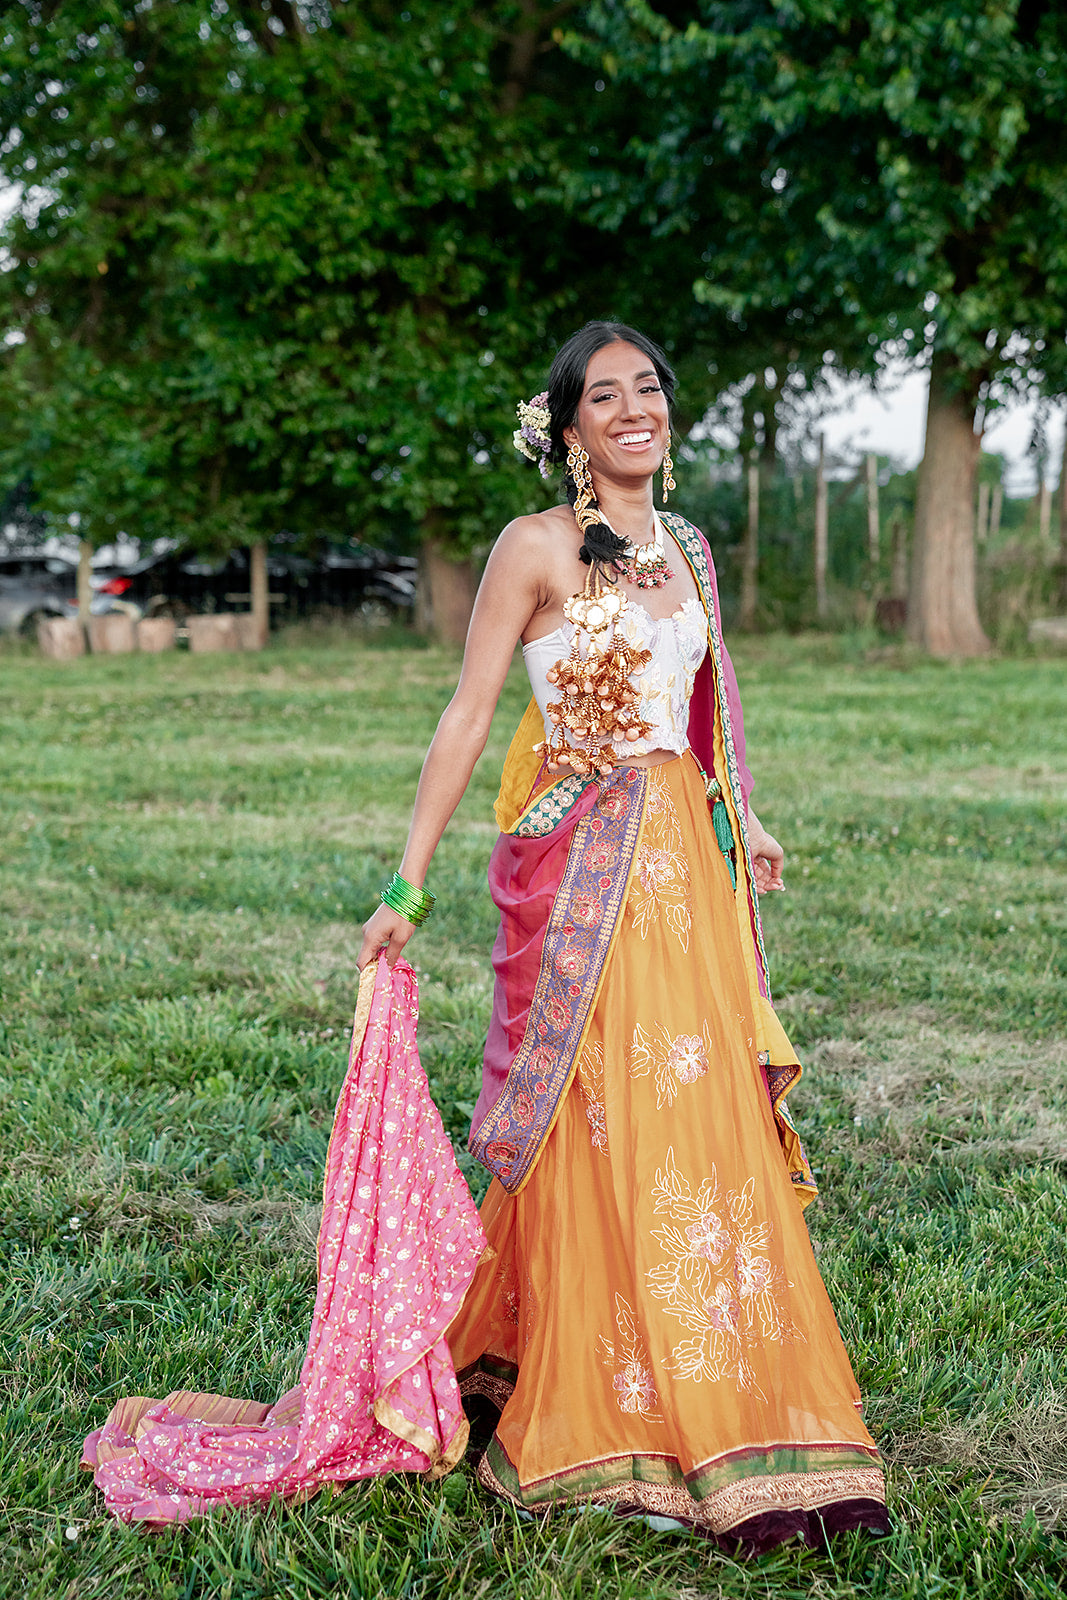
[(597, 708)]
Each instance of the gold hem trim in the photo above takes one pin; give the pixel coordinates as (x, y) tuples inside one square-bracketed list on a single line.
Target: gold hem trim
[(497, 1390), (441, 1461), (724, 1509), (364, 997)]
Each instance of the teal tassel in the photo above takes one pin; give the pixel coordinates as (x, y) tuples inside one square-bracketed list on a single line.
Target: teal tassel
[(720, 821)]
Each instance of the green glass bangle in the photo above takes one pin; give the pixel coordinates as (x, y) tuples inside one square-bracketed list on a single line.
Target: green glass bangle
[(417, 899), (413, 904)]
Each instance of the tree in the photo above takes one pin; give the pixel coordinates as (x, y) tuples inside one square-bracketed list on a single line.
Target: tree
[(282, 266), (898, 187)]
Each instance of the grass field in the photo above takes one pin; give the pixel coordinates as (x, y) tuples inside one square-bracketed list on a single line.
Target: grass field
[(190, 844)]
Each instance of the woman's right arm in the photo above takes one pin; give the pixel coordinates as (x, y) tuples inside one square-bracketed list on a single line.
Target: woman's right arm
[(512, 588)]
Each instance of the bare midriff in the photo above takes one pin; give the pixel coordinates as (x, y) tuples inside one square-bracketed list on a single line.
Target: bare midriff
[(651, 758)]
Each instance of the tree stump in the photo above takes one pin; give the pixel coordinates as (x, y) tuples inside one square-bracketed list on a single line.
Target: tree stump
[(112, 635), (155, 634), (250, 635), (61, 638), (217, 632), (891, 614)]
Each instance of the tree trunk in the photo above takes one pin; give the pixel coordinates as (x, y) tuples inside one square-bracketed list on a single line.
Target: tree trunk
[(822, 534), (750, 551), (874, 532), (995, 510), (446, 589), (942, 608), (83, 581), (257, 568)]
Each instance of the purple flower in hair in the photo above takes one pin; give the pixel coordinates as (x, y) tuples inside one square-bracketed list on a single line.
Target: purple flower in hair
[(533, 437)]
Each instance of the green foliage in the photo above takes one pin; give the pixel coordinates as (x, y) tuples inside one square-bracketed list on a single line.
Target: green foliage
[(277, 270), (862, 179), (192, 843)]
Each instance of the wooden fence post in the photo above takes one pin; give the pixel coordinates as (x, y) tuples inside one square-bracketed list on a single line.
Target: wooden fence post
[(874, 532), (750, 549), (982, 529), (1063, 521), (260, 600), (1044, 509), (822, 541)]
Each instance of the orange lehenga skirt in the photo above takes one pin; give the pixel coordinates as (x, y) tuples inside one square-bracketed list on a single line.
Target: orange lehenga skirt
[(650, 1320)]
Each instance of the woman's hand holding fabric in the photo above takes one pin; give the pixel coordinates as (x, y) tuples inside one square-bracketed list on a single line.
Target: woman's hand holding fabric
[(768, 857), (385, 929)]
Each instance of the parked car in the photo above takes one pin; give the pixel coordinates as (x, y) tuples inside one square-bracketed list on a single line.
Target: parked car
[(34, 586), (347, 577)]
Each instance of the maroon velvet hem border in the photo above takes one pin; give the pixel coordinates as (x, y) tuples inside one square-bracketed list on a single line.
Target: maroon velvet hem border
[(773, 1528)]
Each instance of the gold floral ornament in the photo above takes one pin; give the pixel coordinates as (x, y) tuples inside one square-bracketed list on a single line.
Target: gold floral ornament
[(597, 706)]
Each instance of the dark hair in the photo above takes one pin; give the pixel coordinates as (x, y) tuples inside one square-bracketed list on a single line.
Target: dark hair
[(566, 385)]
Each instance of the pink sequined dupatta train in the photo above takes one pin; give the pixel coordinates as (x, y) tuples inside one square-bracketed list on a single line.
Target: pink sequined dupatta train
[(398, 1244)]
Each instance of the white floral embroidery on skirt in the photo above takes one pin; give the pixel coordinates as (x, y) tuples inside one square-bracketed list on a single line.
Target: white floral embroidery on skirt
[(633, 1383), (716, 1280)]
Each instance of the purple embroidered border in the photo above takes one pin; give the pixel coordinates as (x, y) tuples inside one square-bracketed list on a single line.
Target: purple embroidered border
[(577, 940)]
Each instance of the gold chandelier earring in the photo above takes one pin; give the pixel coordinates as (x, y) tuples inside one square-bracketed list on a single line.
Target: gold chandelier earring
[(578, 467), (668, 471)]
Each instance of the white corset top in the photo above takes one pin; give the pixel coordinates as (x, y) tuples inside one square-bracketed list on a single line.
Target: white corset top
[(678, 644)]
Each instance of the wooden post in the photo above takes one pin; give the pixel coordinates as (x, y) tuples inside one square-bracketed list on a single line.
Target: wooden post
[(822, 540), (1044, 508), (257, 564), (84, 589), (874, 532), (1063, 522), (750, 549), (983, 513), (898, 579), (995, 510)]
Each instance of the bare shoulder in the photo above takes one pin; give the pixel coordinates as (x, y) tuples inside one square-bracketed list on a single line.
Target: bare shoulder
[(538, 534)]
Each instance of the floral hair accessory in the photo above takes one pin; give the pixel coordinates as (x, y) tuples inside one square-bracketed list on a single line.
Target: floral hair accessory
[(533, 437)]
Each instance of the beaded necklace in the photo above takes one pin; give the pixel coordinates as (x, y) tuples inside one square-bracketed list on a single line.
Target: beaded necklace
[(644, 565)]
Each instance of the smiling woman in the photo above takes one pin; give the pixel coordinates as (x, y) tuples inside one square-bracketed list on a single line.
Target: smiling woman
[(649, 1322), (648, 1319)]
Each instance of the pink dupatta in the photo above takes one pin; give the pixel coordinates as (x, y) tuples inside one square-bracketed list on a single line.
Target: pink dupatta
[(398, 1244)]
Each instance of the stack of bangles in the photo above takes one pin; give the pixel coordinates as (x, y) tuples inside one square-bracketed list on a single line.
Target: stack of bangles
[(414, 905)]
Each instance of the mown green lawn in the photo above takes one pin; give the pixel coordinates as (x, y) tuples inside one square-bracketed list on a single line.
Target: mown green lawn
[(190, 844)]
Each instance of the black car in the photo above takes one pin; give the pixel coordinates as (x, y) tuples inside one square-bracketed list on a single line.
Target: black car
[(348, 577)]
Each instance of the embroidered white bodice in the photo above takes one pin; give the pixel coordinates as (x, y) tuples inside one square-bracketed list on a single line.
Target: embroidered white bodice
[(678, 644)]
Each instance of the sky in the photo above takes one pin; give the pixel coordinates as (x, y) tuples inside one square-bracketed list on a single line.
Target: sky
[(893, 423)]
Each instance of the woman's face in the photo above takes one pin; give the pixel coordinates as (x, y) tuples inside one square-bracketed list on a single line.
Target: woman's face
[(622, 419)]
